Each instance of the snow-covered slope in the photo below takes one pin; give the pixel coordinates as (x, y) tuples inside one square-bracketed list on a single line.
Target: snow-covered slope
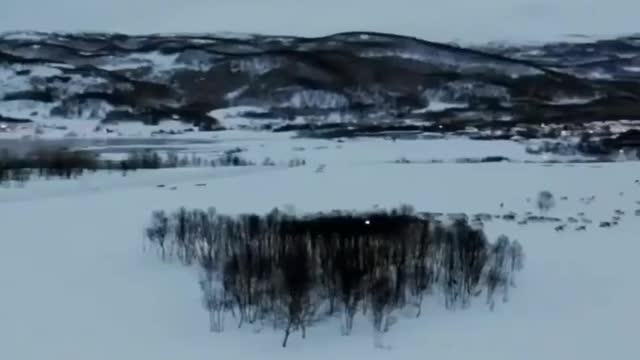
[(352, 79)]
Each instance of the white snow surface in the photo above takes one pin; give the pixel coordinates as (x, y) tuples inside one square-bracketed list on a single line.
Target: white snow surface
[(11, 82), (572, 101), (439, 106), (282, 147), (27, 109), (457, 20), (155, 59), (86, 127), (232, 117), (79, 285)]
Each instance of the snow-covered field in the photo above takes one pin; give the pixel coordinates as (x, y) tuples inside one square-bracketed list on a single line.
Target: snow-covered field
[(78, 284)]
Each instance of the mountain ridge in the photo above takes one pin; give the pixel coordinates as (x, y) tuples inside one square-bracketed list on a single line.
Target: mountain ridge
[(363, 77)]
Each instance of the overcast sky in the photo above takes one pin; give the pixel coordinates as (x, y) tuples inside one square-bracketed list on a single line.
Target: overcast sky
[(442, 20)]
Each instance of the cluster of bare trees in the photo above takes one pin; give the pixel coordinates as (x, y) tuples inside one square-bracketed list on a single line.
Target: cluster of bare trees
[(45, 163), (148, 159), (67, 164), (292, 271), (61, 163)]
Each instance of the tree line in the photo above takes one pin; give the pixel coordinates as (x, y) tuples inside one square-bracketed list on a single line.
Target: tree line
[(45, 163), (68, 164), (291, 271)]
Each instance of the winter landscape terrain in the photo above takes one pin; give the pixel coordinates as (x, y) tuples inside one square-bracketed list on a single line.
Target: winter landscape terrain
[(513, 166), (79, 283)]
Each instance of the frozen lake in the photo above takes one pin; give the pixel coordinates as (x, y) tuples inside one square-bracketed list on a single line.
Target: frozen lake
[(21, 146)]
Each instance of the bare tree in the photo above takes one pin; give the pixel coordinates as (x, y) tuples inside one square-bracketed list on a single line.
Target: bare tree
[(158, 230), (297, 277), (215, 302), (545, 201), (380, 297), (504, 258)]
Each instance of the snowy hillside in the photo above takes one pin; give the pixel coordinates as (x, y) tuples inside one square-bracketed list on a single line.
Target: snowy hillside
[(351, 80), (345, 179)]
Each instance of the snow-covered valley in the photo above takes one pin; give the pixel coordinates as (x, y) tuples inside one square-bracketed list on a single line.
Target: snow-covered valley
[(80, 283), (298, 180)]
